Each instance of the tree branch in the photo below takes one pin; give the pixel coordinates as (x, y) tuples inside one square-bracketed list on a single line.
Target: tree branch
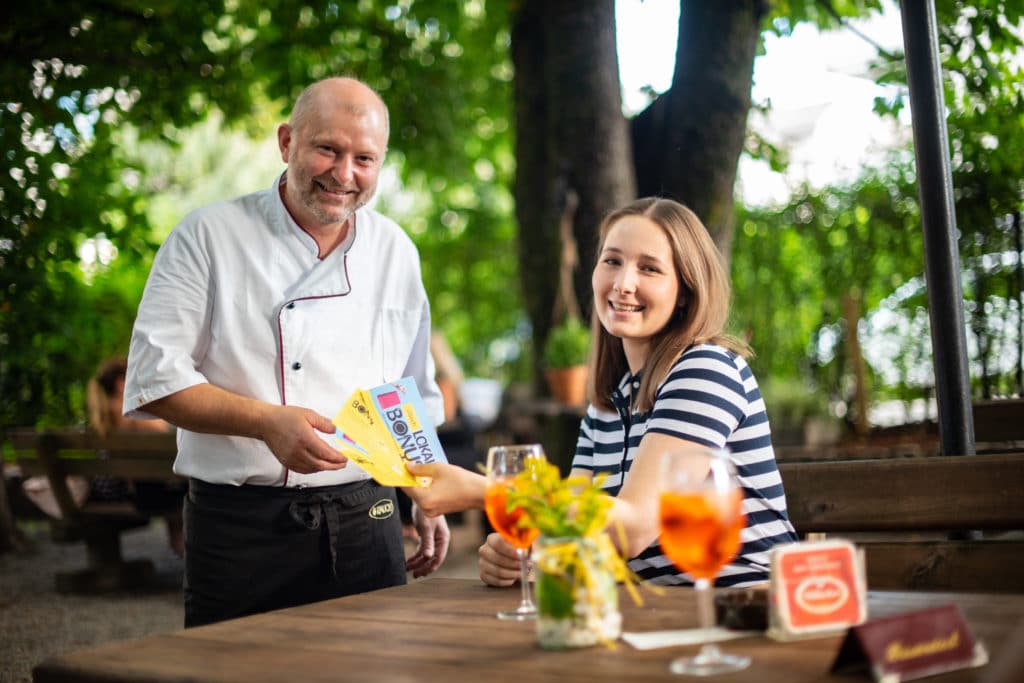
[(827, 6)]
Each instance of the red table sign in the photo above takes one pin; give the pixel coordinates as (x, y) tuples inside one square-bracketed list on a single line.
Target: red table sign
[(817, 589), (911, 645)]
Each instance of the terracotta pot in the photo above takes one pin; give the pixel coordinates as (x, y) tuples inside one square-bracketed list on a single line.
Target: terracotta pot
[(568, 385)]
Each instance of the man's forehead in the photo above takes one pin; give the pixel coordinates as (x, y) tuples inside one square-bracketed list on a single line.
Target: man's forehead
[(345, 119), (339, 102)]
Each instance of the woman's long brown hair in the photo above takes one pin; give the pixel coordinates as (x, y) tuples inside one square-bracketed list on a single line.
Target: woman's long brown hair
[(702, 310), (100, 392)]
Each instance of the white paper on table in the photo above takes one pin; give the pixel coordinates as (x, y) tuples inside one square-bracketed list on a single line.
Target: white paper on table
[(650, 640)]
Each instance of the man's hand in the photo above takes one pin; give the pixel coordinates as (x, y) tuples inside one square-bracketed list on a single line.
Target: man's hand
[(433, 547), (499, 563), (291, 435)]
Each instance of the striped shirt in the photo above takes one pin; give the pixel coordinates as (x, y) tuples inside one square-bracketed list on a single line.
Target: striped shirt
[(709, 397)]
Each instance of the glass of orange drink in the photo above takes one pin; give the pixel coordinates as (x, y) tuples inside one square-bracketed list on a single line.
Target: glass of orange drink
[(504, 463), (701, 517)]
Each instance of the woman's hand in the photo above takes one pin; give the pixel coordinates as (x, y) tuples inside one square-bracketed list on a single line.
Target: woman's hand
[(499, 563), (451, 488)]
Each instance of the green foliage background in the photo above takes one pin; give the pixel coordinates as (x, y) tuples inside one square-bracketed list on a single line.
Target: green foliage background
[(99, 101), (118, 117), (792, 264)]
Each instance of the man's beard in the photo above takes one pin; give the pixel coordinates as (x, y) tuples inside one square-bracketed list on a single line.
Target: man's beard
[(329, 213)]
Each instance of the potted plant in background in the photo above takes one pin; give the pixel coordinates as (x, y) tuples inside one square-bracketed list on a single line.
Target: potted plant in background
[(577, 566), (565, 361)]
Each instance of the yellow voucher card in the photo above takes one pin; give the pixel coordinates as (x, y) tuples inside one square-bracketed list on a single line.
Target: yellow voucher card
[(383, 428)]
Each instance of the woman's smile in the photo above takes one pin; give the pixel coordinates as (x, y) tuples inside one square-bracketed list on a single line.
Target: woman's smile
[(625, 308)]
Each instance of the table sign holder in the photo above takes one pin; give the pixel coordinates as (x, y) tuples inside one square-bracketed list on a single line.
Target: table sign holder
[(817, 589), (910, 645)]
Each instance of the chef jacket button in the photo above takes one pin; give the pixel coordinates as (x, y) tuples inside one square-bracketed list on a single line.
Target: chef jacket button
[(296, 365), (291, 304)]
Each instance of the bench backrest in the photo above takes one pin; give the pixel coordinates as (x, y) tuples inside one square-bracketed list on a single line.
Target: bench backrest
[(916, 496), (61, 453), (1000, 419), (899, 494)]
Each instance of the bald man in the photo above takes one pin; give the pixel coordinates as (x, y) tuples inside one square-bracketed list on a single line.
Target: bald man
[(260, 316)]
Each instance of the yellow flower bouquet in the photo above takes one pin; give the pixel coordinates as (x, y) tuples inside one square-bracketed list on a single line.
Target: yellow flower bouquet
[(577, 565)]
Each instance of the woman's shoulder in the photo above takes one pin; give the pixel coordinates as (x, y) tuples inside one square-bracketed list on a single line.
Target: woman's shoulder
[(705, 363), (710, 355)]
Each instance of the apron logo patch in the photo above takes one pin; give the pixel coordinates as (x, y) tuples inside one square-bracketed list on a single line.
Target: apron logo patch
[(382, 509)]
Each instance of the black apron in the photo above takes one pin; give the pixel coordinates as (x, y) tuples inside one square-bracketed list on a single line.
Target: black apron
[(251, 549)]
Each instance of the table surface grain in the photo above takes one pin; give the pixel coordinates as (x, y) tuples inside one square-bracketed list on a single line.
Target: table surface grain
[(446, 630)]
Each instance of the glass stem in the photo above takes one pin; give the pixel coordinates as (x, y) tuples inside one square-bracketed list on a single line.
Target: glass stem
[(706, 614), (705, 609), (524, 579)]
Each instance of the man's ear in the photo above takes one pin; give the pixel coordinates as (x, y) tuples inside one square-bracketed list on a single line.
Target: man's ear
[(284, 140)]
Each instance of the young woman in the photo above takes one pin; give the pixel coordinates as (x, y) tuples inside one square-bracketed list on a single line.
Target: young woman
[(664, 376)]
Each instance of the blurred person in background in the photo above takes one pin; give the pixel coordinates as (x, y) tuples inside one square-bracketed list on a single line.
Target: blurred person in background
[(104, 399)]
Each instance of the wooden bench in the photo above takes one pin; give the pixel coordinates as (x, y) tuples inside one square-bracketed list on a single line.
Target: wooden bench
[(927, 501), (998, 420), (131, 456)]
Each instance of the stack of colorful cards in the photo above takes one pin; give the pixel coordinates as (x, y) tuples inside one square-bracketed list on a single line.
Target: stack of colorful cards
[(383, 428)]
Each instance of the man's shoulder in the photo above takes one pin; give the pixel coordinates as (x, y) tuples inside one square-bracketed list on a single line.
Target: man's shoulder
[(383, 230), (246, 203), (227, 211)]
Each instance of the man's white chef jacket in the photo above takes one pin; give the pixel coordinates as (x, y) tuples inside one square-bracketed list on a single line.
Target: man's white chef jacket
[(238, 298)]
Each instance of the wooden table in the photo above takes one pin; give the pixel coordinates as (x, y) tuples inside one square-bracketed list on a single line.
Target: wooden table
[(445, 630)]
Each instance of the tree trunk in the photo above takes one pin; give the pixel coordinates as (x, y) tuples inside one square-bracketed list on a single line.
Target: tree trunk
[(851, 315), (571, 137), (688, 142), (979, 321), (1018, 279)]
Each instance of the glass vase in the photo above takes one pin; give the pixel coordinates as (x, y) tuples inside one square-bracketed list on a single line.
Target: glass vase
[(576, 593)]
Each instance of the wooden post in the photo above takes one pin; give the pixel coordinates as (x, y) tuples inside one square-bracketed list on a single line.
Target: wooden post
[(938, 225), (10, 538)]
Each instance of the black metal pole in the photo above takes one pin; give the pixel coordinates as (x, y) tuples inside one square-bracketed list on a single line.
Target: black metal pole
[(938, 222)]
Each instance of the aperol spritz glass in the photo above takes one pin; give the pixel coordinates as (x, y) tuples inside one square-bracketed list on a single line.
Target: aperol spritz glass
[(701, 517), (503, 464)]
